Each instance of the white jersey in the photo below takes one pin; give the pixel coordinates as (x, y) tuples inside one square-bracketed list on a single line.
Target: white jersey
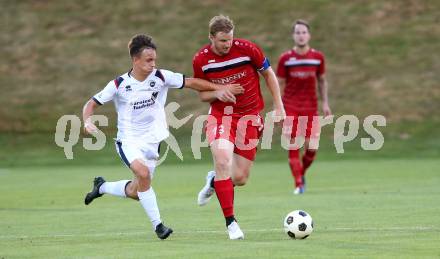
[(140, 105)]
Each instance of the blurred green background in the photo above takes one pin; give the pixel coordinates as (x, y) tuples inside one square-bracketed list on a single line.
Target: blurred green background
[(382, 58)]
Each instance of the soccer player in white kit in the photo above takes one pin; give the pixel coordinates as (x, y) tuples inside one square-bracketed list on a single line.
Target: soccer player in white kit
[(139, 97)]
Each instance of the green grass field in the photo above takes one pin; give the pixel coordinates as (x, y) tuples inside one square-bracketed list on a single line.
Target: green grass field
[(369, 204), (361, 208)]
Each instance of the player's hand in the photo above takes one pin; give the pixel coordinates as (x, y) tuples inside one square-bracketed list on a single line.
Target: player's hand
[(225, 95), (90, 128), (235, 89), (278, 114), (326, 109)]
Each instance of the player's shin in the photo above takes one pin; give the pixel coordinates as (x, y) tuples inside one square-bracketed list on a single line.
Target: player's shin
[(149, 203), (114, 188), (225, 194), (295, 166), (307, 159)]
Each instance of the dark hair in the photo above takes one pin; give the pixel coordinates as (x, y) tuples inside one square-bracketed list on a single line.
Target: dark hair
[(302, 22), (140, 42), (220, 23)]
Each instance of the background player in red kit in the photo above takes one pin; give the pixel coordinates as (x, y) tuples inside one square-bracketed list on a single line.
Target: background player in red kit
[(227, 60), (298, 71)]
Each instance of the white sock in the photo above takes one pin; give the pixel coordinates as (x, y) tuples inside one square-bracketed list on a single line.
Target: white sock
[(148, 201), (114, 188)]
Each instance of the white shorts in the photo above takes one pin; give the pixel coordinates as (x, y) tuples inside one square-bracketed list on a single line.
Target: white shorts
[(148, 153)]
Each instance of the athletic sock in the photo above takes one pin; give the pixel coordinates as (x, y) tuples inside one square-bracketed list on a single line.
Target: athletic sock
[(149, 203), (307, 159), (295, 167), (225, 194), (212, 183), (114, 188), (229, 220)]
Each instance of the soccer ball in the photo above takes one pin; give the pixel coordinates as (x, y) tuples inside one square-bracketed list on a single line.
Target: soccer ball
[(298, 224)]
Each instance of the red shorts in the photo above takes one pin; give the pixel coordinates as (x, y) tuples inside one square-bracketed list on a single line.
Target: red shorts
[(244, 132), (299, 125)]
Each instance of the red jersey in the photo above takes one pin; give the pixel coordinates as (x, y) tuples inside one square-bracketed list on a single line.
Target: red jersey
[(301, 72), (240, 66)]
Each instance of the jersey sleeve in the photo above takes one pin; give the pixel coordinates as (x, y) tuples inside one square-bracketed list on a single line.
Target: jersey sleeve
[(258, 59), (107, 94), (197, 69), (321, 67), (173, 80), (281, 69)]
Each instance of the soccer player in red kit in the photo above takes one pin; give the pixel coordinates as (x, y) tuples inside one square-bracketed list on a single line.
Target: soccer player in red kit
[(224, 61), (299, 69)]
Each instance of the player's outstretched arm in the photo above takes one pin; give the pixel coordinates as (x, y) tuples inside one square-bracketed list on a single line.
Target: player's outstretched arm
[(274, 88), (88, 111), (226, 94), (323, 92), (200, 84)]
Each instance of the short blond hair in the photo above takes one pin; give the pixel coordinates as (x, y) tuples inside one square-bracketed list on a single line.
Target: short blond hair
[(220, 23)]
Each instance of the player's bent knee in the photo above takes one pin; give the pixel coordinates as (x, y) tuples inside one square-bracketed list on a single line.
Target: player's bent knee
[(140, 170), (240, 180), (143, 175)]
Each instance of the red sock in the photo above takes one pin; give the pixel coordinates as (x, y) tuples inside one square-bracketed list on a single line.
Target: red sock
[(225, 194), (295, 166), (308, 158)]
